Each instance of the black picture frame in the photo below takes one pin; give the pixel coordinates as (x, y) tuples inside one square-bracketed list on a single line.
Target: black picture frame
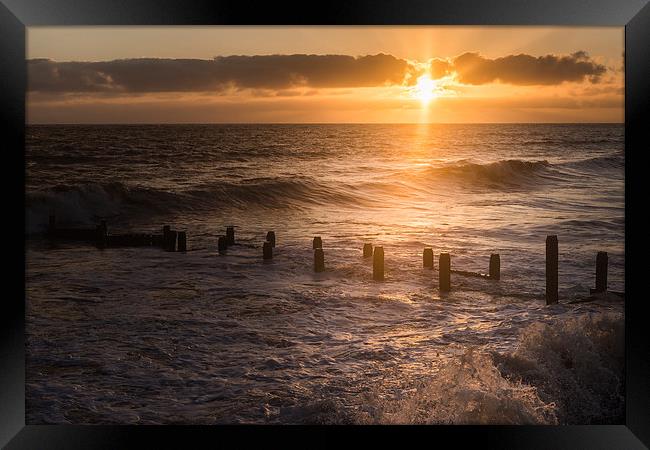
[(15, 15)]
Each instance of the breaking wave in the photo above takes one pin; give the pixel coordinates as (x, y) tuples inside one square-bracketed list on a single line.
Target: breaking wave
[(500, 174), (569, 372), (598, 163), (86, 203)]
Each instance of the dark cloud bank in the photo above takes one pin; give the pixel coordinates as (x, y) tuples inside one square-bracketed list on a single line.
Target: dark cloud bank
[(527, 70), (275, 72)]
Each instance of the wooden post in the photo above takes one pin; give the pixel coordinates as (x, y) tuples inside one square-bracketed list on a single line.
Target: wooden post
[(165, 236), (230, 235), (318, 243), (270, 236), (601, 272), (222, 244), (444, 272), (267, 250), (102, 234), (319, 260), (427, 258), (171, 241), (378, 264), (182, 241), (495, 266), (551, 270), (51, 224), (367, 250)]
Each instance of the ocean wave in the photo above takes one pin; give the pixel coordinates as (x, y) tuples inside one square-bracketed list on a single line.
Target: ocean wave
[(573, 141), (577, 364), (598, 163), (276, 192), (568, 372), (85, 204), (500, 174)]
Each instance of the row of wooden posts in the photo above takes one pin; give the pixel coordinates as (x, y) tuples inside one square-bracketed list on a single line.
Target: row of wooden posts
[(444, 264), (445, 270), (172, 240)]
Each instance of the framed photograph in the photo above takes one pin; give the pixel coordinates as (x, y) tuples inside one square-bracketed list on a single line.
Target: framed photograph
[(406, 217)]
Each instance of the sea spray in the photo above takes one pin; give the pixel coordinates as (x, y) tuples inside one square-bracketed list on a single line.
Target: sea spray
[(466, 390), (577, 363), (569, 372)]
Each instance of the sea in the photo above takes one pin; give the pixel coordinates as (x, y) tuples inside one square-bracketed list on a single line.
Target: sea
[(145, 336)]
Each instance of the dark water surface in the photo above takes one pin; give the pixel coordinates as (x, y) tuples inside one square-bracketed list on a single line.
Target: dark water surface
[(145, 336)]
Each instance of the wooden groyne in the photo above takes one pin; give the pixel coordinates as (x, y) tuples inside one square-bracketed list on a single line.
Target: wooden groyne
[(427, 258), (494, 270), (176, 241), (378, 264), (170, 240), (270, 237), (444, 272), (319, 260), (551, 270), (267, 250), (601, 273)]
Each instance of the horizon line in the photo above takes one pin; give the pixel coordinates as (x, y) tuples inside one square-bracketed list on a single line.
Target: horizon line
[(324, 123)]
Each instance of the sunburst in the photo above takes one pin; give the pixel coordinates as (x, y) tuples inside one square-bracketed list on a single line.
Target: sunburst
[(425, 89)]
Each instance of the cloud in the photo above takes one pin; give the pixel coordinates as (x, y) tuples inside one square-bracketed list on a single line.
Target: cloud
[(266, 74), (439, 68), (277, 72), (522, 69)]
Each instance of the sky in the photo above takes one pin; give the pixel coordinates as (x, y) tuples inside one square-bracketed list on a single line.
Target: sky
[(273, 74)]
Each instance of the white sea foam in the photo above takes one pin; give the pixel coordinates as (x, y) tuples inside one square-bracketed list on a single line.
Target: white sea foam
[(569, 372)]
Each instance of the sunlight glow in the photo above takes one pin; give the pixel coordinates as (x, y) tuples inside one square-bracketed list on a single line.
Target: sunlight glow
[(425, 89)]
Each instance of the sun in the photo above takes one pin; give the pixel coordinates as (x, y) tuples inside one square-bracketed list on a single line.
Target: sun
[(425, 89)]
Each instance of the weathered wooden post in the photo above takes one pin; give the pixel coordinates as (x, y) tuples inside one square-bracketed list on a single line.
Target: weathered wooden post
[(230, 235), (270, 236), (102, 234), (378, 264), (158, 240), (319, 260), (222, 244), (495, 266), (267, 250), (182, 241), (444, 272), (367, 250), (601, 272), (165, 236), (427, 258), (318, 243), (551, 270), (171, 241)]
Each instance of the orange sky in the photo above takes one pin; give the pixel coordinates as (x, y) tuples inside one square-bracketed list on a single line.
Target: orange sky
[(324, 74)]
